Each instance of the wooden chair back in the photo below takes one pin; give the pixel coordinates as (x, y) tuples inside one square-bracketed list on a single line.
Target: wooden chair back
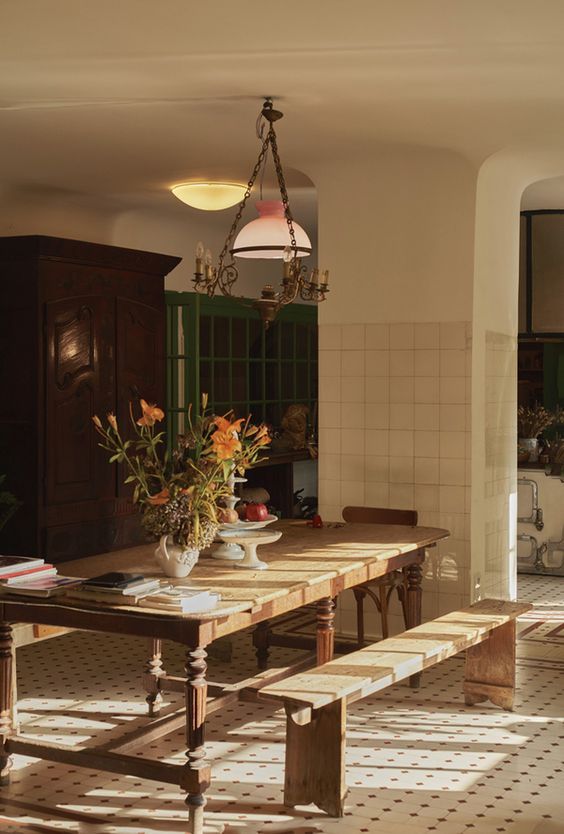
[(380, 515)]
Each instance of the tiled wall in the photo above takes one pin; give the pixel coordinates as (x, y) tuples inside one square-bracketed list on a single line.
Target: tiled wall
[(394, 431), (500, 488)]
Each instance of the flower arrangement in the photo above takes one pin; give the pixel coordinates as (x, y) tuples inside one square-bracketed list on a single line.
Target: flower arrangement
[(531, 421), (181, 494)]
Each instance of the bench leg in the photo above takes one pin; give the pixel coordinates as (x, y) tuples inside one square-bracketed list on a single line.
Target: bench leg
[(490, 669), (315, 760)]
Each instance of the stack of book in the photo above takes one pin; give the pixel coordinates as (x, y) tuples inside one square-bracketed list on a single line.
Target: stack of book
[(115, 588), (32, 577), (182, 599)]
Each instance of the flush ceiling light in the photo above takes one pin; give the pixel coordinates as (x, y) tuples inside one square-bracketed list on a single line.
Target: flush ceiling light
[(209, 196), (274, 234)]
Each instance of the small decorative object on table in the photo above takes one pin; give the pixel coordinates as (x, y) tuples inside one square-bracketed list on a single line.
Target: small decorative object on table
[(250, 540), (181, 496), (530, 423)]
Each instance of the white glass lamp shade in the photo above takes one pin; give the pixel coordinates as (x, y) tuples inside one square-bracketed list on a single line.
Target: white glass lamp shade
[(268, 235), (209, 196)]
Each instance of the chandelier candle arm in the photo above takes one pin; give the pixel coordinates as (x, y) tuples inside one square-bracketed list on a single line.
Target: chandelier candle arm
[(274, 244)]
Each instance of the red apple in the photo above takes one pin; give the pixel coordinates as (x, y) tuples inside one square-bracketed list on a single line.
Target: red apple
[(256, 512), (242, 511)]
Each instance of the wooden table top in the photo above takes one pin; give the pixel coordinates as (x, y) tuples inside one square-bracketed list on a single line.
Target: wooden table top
[(304, 561)]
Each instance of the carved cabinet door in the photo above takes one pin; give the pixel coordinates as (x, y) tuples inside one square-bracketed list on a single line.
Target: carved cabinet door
[(139, 363), (79, 382)]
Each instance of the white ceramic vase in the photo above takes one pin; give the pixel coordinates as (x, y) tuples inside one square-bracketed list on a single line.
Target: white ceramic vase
[(174, 560)]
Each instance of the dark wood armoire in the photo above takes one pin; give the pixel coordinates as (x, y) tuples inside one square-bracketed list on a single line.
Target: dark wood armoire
[(81, 333)]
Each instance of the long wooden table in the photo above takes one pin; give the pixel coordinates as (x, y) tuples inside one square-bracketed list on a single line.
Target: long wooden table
[(305, 566)]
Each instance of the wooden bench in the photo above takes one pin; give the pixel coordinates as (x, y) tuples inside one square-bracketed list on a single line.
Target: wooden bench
[(316, 700)]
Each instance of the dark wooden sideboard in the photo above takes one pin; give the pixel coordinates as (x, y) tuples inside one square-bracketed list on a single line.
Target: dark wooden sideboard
[(81, 332)]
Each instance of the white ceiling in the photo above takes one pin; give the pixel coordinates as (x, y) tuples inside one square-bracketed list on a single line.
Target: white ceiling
[(122, 99)]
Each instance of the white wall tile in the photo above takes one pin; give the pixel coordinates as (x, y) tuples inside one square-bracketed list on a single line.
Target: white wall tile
[(401, 362), (452, 472), (376, 416), (426, 389), (426, 444), (401, 443), (401, 496), (452, 444), (376, 442), (426, 335), (352, 336), (352, 363), (329, 492), (330, 337), (352, 492), (452, 389), (401, 389), (453, 335), (377, 389), (352, 389), (452, 363), (377, 469), (329, 441), (401, 470), (426, 471), (329, 363), (377, 495), (426, 363), (352, 415), (426, 417), (330, 389), (352, 467), (329, 415), (377, 363), (329, 467), (377, 336), (401, 416), (352, 442), (426, 497), (401, 336), (451, 499), (452, 417)]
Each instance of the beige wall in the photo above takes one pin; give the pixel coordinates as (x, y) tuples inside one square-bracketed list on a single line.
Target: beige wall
[(395, 353)]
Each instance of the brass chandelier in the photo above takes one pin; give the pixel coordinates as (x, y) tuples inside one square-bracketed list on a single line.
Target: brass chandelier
[(296, 281)]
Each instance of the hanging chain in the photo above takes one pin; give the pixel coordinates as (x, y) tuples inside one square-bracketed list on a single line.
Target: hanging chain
[(282, 186), (242, 204)]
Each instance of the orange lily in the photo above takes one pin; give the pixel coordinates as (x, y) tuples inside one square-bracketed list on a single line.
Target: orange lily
[(226, 426), (225, 444), (151, 413), (112, 421)]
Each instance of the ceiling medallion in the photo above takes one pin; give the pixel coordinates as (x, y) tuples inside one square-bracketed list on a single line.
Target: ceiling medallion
[(274, 234)]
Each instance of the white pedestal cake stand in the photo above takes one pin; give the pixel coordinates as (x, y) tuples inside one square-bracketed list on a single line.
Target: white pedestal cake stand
[(250, 540)]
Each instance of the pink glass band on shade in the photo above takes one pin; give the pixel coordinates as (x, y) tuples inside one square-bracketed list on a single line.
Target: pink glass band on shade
[(268, 235)]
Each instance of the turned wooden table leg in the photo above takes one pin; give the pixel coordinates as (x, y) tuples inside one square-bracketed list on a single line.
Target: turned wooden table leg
[(196, 773), (261, 642), (6, 699), (413, 574), (325, 630), (151, 679)]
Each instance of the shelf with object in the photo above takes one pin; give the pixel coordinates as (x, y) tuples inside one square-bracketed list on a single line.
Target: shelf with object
[(218, 346)]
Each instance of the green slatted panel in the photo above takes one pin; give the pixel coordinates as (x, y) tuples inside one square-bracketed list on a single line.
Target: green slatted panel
[(197, 327)]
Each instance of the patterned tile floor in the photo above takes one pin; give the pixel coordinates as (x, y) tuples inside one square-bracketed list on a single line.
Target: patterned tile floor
[(417, 761)]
